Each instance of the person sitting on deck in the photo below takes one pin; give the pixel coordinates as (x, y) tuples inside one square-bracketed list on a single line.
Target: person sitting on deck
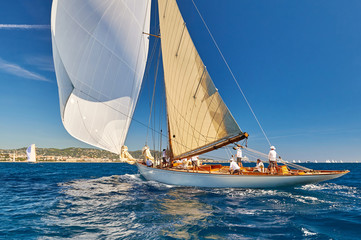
[(233, 167), (149, 163), (259, 167), (272, 157), (184, 163), (147, 155)]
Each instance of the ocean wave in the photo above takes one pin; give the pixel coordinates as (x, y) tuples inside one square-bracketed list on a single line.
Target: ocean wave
[(326, 186), (234, 192), (309, 199), (332, 188), (307, 232)]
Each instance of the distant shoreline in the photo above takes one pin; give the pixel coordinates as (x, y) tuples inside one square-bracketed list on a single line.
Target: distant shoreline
[(124, 162)]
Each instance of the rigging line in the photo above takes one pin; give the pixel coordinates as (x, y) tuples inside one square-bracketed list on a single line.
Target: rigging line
[(280, 160), (205, 138), (254, 153), (162, 107), (130, 117), (135, 120), (234, 78), (151, 105), (88, 131), (147, 69), (227, 152)]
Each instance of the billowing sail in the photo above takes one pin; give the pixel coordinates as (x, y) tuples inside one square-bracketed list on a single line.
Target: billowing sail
[(198, 117), (31, 154), (100, 54)]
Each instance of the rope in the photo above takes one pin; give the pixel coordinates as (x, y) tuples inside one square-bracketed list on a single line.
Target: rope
[(234, 78), (152, 102), (279, 160)]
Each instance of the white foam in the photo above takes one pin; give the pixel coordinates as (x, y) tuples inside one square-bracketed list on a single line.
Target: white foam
[(307, 232)]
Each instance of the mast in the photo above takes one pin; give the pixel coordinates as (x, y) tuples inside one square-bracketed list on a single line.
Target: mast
[(198, 119), (171, 156)]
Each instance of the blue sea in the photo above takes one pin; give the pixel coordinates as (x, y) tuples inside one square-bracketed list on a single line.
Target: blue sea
[(112, 201)]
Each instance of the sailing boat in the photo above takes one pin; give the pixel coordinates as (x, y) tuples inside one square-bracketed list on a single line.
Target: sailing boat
[(100, 52), (30, 152)]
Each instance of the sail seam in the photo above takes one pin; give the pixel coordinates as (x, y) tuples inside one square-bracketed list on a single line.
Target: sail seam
[(100, 43), (190, 125)]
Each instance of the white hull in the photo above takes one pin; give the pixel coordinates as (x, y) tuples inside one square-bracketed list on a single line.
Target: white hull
[(191, 179)]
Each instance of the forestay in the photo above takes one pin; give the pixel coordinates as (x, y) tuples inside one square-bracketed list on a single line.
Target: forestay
[(197, 115), (100, 55)]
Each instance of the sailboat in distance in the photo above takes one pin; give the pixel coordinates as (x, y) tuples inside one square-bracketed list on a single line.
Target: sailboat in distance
[(100, 51), (31, 153)]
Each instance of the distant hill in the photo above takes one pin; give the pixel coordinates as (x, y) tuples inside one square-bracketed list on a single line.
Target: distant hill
[(75, 152)]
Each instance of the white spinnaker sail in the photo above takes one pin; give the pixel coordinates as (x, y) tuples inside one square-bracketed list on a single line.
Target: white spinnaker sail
[(100, 54), (31, 154)]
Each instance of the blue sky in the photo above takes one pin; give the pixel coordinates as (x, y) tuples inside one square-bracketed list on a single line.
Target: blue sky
[(298, 62)]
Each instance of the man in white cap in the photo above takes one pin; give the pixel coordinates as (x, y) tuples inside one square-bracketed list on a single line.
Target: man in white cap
[(234, 168), (272, 157)]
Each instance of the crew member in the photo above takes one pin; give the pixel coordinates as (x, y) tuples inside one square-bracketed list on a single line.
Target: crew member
[(259, 167), (239, 156), (147, 155), (195, 162), (164, 157), (272, 157), (233, 167), (149, 163)]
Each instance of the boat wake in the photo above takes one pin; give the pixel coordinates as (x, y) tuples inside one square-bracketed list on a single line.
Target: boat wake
[(332, 188), (124, 206)]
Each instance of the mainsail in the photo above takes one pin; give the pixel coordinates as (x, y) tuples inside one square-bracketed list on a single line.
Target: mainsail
[(198, 119), (100, 56)]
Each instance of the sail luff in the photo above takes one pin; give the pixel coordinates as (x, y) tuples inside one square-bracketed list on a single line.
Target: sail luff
[(197, 114)]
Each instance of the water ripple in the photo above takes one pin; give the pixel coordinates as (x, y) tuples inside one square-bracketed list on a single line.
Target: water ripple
[(112, 201)]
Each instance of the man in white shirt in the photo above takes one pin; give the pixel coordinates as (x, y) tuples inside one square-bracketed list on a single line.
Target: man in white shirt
[(233, 167), (259, 167), (272, 157), (239, 156)]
